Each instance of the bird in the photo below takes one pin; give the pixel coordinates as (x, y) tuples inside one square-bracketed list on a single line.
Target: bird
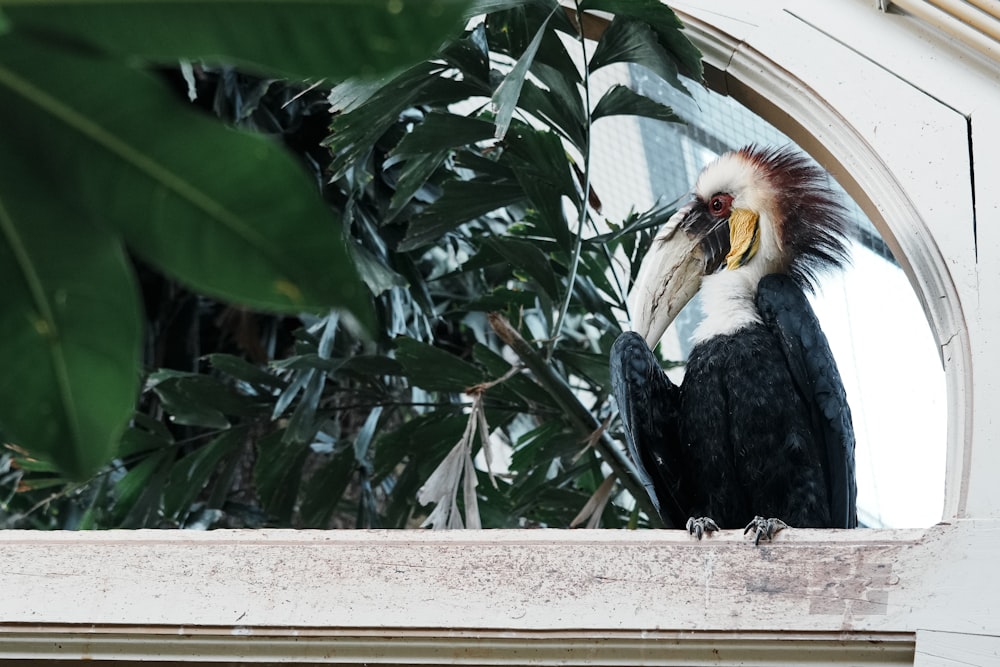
[(758, 435)]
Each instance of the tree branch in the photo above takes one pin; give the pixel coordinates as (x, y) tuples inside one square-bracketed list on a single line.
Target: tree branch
[(581, 418)]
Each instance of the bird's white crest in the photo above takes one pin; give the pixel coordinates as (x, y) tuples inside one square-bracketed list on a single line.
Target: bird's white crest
[(727, 297), (800, 231)]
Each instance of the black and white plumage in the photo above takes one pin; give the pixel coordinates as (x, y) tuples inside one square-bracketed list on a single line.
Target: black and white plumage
[(760, 426)]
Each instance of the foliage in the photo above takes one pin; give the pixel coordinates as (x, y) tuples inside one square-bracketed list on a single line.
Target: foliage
[(99, 155), (464, 187)]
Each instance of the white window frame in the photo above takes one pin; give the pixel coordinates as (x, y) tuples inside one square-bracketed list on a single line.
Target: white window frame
[(904, 119)]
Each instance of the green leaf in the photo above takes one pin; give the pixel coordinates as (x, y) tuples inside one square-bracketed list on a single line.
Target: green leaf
[(39, 483), (367, 365), (507, 94), (199, 400), (528, 257), (292, 38), (510, 32), (471, 55), (304, 422), (564, 117), (403, 501), (323, 491), (138, 494), (541, 166), (414, 176), (461, 201), (623, 101), (434, 369), (635, 224), (229, 213), (502, 298), (631, 41), (241, 369), (596, 268), (70, 323), (664, 23), (307, 361), (592, 366), (363, 441), (145, 435), (189, 475), (25, 461), (426, 438), (357, 126), (443, 130), (373, 272), (278, 475)]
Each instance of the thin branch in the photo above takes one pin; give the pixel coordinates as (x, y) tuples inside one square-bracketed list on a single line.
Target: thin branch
[(584, 202), (579, 416)]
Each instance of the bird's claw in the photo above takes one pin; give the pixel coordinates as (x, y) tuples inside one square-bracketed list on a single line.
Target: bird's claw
[(700, 526), (764, 528)]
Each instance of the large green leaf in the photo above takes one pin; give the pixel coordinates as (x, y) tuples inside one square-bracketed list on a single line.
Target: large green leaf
[(506, 95), (632, 41), (195, 399), (226, 212), (294, 38), (278, 475), (323, 491), (541, 166), (666, 26), (139, 493), (189, 475), (443, 130), (623, 101), (413, 178), (511, 31), (527, 257), (548, 105), (360, 117), (471, 55), (434, 369), (70, 330), (425, 440), (462, 201)]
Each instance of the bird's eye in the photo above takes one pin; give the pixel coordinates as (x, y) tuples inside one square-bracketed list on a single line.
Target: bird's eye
[(720, 204)]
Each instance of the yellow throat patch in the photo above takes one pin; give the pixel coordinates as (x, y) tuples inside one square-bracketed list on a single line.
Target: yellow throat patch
[(744, 237)]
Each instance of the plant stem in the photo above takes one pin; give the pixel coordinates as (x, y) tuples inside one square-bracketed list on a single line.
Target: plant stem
[(579, 416), (584, 199)]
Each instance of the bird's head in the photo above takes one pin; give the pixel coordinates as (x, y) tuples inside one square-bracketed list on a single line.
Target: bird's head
[(754, 212)]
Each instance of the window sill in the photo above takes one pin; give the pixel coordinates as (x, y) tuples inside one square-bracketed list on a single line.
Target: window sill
[(379, 595)]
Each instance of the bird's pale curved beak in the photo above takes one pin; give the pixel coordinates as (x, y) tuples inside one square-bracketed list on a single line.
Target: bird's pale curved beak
[(670, 275)]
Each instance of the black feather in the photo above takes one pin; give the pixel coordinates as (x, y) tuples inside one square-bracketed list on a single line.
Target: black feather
[(786, 312), (760, 425), (814, 222)]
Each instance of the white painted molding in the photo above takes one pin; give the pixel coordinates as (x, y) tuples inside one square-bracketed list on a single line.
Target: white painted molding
[(494, 597)]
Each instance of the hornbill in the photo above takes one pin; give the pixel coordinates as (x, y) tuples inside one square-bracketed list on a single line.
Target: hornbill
[(759, 432)]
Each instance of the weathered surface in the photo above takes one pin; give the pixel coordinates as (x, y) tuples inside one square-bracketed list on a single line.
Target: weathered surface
[(806, 580)]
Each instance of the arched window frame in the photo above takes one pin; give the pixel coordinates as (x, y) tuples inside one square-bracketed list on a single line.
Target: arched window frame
[(902, 154), (906, 122)]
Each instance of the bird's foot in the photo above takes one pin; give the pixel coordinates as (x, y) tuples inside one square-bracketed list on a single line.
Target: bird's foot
[(764, 528), (700, 526)]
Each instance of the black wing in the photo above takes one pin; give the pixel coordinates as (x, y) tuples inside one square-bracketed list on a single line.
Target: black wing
[(648, 403), (786, 311)]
